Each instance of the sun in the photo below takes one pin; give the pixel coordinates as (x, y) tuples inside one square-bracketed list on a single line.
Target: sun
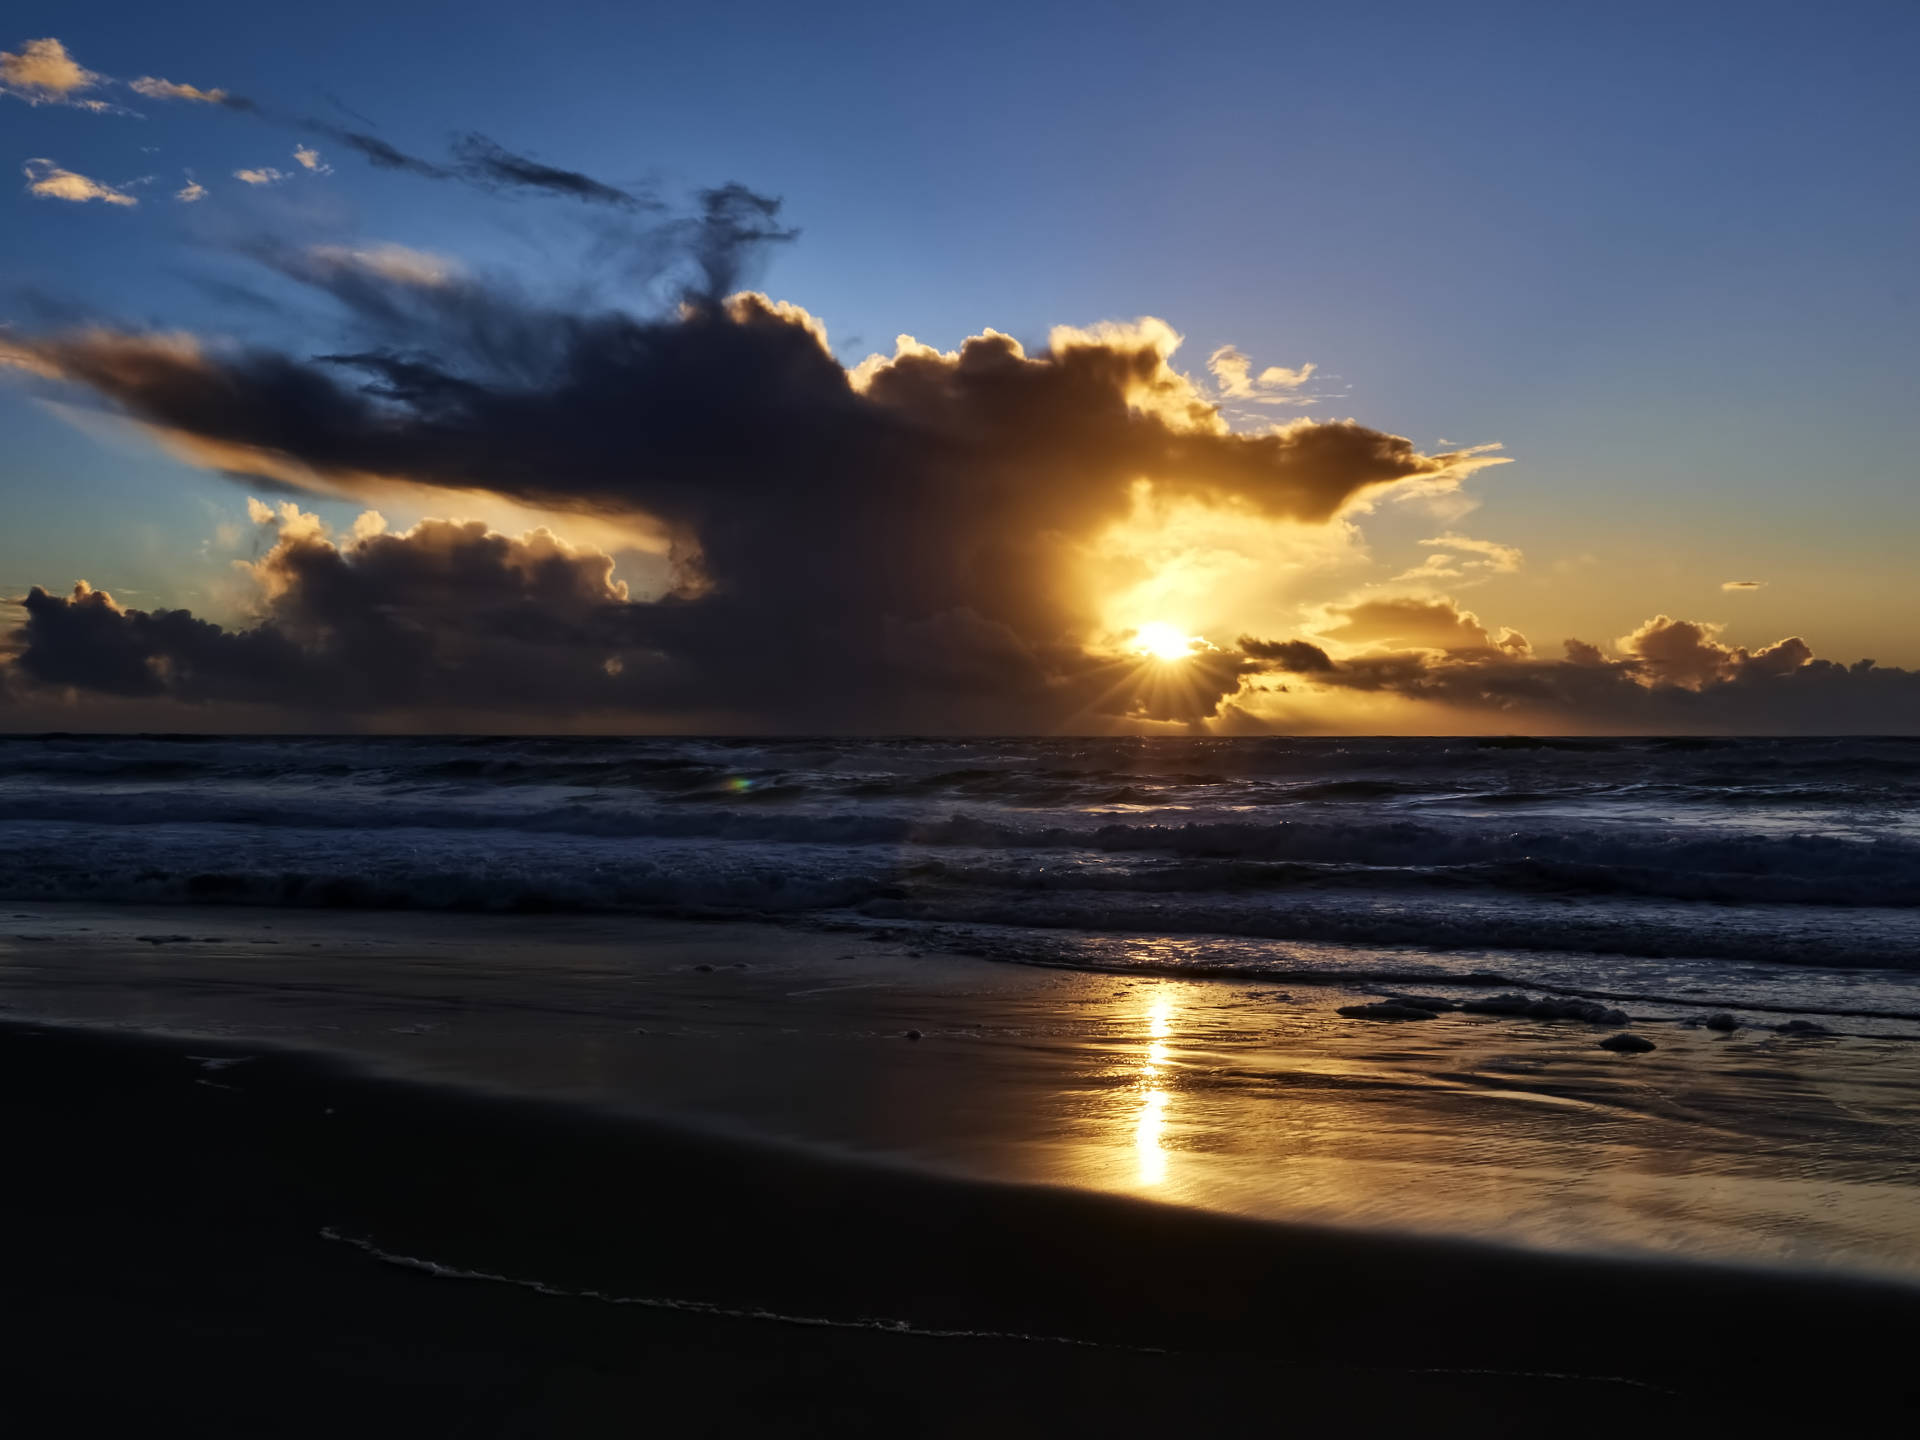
[(1163, 642)]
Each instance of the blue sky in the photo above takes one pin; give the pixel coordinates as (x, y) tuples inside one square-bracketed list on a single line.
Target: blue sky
[(1661, 253)]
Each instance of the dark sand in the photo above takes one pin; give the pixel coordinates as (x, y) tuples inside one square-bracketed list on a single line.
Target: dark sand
[(1750, 1148), (167, 1266)]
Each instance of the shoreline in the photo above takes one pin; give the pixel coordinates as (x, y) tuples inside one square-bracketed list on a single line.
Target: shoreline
[(152, 1176), (1754, 1147)]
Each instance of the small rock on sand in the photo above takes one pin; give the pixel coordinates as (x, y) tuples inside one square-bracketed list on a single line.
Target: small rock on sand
[(1803, 1027), (704, 969), (1424, 1002), (913, 1034), (1627, 1043), (1722, 1021), (1550, 1007), (1388, 1010)]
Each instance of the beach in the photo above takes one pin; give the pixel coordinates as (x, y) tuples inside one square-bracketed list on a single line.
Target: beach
[(1232, 1096), (691, 746), (587, 1084), (235, 1247)]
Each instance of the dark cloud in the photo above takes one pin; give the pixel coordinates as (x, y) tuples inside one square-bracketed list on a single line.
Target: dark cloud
[(1669, 675), (444, 615), (452, 615), (87, 642), (1688, 653), (735, 225), (378, 152), (447, 614), (1298, 656), (896, 547), (482, 162)]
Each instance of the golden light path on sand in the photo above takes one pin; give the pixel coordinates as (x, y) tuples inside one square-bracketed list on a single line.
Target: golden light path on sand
[(1150, 1130)]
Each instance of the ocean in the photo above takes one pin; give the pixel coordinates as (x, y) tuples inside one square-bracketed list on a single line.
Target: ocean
[(1679, 876)]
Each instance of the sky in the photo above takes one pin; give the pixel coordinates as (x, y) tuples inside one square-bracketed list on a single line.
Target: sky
[(1280, 368)]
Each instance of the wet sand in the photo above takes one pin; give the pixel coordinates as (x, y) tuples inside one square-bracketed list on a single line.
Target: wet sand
[(1232, 1097), (198, 1244)]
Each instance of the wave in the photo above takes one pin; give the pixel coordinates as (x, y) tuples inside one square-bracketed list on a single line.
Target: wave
[(363, 871), (1802, 852), (1193, 761), (1590, 858), (1825, 940)]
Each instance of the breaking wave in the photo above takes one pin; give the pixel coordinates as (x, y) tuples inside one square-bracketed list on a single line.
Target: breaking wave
[(1775, 851)]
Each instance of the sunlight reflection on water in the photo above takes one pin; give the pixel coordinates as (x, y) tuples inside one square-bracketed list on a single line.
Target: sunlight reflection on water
[(1150, 1128)]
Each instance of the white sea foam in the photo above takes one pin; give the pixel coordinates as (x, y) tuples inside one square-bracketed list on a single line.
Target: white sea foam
[(1793, 853)]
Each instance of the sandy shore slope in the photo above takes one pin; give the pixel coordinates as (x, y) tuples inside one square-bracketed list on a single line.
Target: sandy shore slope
[(179, 1249)]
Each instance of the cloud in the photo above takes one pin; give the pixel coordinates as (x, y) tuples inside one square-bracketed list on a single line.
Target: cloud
[(447, 613), (42, 72), (190, 192), (1275, 385), (1300, 657), (157, 89), (1423, 624), (903, 546), (481, 162), (1741, 584), (1689, 653), (309, 159), (265, 175), (487, 164), (1484, 554), (379, 153), (51, 182), (1670, 676), (396, 264), (1480, 560)]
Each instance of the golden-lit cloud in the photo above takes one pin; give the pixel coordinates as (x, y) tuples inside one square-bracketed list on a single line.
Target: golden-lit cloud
[(190, 192), (156, 89), (1487, 554), (1740, 585), (309, 159), (1421, 624), (263, 175), (1666, 676), (400, 264), (27, 360), (995, 520), (1462, 560), (1209, 566), (1690, 653), (1001, 536), (1274, 385), (51, 181), (42, 72)]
